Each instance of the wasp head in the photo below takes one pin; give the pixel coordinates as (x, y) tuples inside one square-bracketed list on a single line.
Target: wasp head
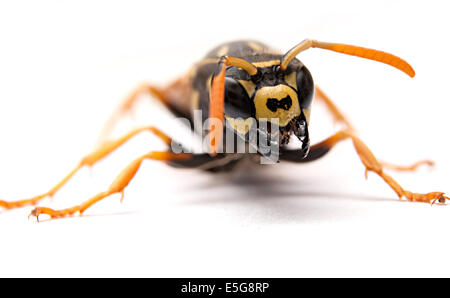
[(275, 98)]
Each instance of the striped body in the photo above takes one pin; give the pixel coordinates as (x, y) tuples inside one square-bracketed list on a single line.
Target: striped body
[(196, 86), (191, 94)]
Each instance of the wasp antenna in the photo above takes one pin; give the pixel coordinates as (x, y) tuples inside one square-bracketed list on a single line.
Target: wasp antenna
[(370, 54), (241, 63), (217, 96)]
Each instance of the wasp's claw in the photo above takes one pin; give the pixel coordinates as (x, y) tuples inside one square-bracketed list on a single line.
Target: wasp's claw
[(35, 212), (441, 199), (42, 210), (431, 197)]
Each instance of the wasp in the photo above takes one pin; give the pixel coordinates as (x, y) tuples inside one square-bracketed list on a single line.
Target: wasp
[(240, 87)]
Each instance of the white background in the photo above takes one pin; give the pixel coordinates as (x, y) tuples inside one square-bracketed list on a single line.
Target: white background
[(64, 66)]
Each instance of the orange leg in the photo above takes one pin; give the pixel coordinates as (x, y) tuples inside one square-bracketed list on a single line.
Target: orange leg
[(371, 164), (127, 105), (335, 112), (409, 168), (89, 160), (118, 186), (339, 117)]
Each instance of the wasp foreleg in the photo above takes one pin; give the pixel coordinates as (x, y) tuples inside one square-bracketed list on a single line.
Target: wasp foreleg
[(371, 164), (118, 185), (89, 160), (181, 160), (338, 116)]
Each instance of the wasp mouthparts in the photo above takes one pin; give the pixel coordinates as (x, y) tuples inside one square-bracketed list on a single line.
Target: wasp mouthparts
[(300, 128)]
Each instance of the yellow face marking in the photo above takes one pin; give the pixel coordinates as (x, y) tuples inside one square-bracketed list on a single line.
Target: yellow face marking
[(291, 79), (248, 86), (242, 126), (222, 51), (277, 92), (266, 63)]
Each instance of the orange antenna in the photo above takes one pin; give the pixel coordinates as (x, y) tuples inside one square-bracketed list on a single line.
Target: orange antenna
[(370, 54), (217, 96)]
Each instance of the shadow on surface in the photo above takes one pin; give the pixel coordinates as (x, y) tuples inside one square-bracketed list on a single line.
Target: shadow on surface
[(274, 196)]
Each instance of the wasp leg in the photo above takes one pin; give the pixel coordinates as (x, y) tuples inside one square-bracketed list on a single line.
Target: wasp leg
[(371, 164), (339, 117), (127, 105), (89, 160), (335, 112), (185, 160), (409, 168), (172, 97)]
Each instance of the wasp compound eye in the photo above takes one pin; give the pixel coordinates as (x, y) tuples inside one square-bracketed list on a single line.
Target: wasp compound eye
[(237, 101), (305, 87)]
